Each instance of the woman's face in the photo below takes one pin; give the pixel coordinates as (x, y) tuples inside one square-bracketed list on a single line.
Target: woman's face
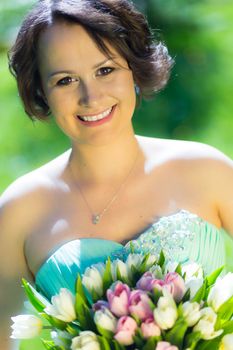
[(91, 96)]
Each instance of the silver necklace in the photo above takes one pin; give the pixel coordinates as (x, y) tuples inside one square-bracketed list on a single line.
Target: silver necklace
[(95, 218)]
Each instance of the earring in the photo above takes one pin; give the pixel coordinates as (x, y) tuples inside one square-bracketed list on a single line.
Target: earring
[(137, 89)]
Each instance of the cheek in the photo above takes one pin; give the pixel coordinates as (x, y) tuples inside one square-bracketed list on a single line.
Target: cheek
[(125, 88), (58, 102)]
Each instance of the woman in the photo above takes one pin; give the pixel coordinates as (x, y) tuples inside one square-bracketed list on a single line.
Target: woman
[(84, 62)]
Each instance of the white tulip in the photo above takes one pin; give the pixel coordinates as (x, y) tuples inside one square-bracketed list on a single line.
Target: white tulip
[(171, 266), (62, 306), (227, 342), (194, 284), (221, 291), (191, 312), (86, 341), (26, 326), (92, 279), (134, 260), (122, 267), (105, 319), (192, 270), (151, 260), (206, 324), (166, 313)]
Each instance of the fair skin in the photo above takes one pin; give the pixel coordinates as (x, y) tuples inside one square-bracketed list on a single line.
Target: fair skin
[(43, 209)]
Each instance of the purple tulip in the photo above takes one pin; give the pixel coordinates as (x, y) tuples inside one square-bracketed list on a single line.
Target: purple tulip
[(100, 305), (118, 299), (139, 305), (145, 281), (126, 327)]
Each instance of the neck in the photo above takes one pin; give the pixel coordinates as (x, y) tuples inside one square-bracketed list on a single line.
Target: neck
[(99, 164)]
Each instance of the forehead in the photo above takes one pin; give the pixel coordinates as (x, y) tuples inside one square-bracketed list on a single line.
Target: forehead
[(68, 42)]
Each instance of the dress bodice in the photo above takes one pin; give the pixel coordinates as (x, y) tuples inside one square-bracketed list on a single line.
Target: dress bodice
[(182, 236)]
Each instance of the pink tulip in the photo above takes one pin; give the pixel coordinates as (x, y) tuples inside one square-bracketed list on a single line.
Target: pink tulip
[(175, 284), (159, 285), (126, 328), (118, 299), (139, 305), (150, 328), (164, 345)]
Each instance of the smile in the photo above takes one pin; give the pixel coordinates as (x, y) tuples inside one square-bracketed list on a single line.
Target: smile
[(96, 117)]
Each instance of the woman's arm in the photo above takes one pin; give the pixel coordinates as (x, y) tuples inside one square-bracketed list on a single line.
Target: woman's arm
[(13, 217), (224, 186)]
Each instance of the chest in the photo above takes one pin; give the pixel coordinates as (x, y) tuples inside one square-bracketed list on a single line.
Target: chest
[(134, 208)]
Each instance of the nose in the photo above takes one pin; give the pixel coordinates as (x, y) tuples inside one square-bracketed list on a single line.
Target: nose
[(89, 94)]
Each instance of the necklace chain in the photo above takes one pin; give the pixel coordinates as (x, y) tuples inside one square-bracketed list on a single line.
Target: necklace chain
[(95, 218)]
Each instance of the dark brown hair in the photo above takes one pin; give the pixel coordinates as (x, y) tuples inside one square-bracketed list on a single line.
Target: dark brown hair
[(116, 21)]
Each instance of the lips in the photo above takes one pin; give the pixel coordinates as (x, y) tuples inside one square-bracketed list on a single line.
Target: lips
[(97, 119)]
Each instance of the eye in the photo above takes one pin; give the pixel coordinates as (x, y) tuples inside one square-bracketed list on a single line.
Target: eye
[(105, 71), (66, 81)]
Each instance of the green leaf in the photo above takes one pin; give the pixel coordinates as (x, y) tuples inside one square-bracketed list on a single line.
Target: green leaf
[(212, 344), (156, 294), (106, 333), (50, 345), (73, 329), (179, 269), (84, 314), (107, 276), (104, 343), (192, 339), (227, 327), (31, 294), (94, 296), (186, 296), (225, 312), (176, 335), (161, 260), (138, 341), (79, 289), (151, 343), (214, 275), (55, 322), (200, 294), (144, 267), (117, 346), (132, 248)]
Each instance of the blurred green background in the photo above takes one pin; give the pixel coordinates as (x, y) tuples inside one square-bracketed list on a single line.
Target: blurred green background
[(196, 105)]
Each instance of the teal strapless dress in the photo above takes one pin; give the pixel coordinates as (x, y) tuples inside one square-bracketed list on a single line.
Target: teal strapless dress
[(182, 236)]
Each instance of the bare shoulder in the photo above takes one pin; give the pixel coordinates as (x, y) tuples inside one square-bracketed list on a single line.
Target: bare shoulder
[(201, 167), (35, 183), (29, 197), (22, 205), (202, 157), (194, 154)]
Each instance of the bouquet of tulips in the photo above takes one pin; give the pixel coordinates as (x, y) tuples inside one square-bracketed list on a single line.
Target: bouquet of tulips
[(140, 302)]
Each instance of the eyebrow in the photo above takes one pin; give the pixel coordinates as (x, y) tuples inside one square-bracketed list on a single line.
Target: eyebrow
[(72, 72)]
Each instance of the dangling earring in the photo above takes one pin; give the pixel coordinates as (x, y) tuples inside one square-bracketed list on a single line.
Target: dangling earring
[(137, 89)]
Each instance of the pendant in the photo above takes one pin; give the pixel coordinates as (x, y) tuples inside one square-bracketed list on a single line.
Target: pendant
[(95, 219)]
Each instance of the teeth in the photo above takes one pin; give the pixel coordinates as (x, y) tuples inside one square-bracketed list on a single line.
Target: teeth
[(96, 117)]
